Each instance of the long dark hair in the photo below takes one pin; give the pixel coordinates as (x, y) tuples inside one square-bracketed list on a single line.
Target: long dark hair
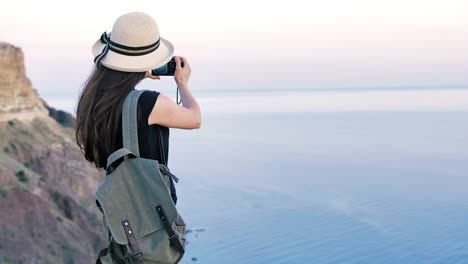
[(99, 110)]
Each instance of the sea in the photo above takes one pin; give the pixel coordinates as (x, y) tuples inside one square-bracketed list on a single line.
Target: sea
[(325, 176)]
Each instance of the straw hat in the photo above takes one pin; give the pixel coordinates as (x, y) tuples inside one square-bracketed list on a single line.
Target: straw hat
[(134, 45)]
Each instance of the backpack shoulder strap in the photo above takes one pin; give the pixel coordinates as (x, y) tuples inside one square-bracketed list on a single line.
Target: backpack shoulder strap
[(130, 122), (117, 155)]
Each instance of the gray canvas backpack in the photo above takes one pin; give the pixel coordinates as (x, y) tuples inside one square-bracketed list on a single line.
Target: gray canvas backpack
[(139, 213)]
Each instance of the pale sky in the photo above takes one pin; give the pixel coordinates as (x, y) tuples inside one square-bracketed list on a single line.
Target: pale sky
[(257, 44)]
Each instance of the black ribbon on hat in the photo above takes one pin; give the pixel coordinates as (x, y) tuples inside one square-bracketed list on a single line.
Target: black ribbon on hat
[(122, 49)]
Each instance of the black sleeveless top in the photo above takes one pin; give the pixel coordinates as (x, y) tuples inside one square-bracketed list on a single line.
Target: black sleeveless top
[(148, 135)]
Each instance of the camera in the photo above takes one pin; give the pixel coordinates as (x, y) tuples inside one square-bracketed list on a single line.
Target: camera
[(168, 69)]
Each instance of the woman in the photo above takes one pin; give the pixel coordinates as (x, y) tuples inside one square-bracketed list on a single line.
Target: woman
[(123, 58)]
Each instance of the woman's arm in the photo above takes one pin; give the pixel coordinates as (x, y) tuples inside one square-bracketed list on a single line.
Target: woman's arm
[(167, 113)]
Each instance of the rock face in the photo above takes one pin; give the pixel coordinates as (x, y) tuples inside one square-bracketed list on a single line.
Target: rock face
[(17, 98), (47, 209)]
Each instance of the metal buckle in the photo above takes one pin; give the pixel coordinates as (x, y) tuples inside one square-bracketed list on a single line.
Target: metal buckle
[(137, 253)]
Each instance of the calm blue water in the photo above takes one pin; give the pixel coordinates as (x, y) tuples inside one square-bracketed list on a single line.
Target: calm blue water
[(349, 187)]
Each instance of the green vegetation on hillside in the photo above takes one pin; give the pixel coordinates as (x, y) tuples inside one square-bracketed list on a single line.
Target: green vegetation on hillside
[(3, 193), (7, 260), (13, 146), (22, 176)]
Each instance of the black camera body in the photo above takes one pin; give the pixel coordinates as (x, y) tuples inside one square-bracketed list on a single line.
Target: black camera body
[(168, 69)]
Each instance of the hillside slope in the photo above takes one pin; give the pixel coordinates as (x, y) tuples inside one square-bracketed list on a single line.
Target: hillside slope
[(47, 211)]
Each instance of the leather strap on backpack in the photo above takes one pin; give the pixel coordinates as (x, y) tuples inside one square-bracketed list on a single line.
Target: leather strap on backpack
[(132, 243), (161, 147), (166, 170), (102, 253), (173, 236)]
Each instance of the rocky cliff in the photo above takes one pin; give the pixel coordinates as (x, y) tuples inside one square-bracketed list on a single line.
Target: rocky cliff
[(17, 98), (47, 211)]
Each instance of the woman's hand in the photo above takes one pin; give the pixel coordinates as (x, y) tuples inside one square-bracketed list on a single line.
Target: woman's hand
[(153, 77), (167, 113), (182, 74)]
